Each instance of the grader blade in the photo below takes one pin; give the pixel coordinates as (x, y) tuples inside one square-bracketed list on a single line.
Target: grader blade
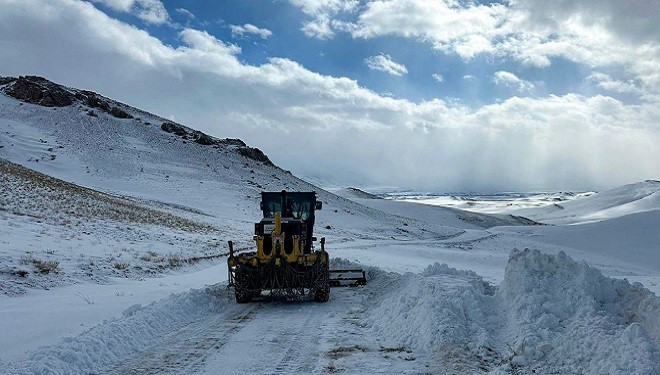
[(339, 278)]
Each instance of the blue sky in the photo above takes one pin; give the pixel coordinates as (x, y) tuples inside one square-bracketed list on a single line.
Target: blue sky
[(343, 56), (533, 95)]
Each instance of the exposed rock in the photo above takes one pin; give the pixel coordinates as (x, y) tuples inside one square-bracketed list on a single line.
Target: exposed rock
[(38, 90), (233, 142), (119, 113), (6, 80), (204, 139), (194, 135), (173, 128), (255, 154), (92, 100), (95, 100)]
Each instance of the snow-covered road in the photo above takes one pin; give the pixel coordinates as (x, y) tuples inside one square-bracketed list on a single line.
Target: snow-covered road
[(550, 314)]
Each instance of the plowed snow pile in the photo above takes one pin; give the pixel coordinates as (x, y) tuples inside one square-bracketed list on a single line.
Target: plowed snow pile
[(550, 315)]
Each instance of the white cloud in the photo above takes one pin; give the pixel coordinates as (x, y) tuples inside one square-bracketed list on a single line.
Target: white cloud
[(318, 28), (237, 30), (448, 25), (511, 80), (186, 13), (608, 83), (152, 11), (322, 26), (438, 77), (596, 33), (384, 63), (469, 77), (316, 7), (568, 141)]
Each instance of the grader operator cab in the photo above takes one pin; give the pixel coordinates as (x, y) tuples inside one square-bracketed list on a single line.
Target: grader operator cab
[(286, 261)]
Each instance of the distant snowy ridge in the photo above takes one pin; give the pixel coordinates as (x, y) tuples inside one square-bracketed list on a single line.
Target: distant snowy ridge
[(624, 200), (439, 214), (351, 192)]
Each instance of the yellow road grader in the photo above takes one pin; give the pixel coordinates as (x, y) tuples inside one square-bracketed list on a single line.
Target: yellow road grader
[(286, 262)]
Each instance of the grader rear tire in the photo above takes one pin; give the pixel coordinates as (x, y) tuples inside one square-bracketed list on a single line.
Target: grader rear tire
[(322, 295)]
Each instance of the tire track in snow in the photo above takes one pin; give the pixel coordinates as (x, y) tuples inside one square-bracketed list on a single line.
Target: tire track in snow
[(286, 364), (186, 350)]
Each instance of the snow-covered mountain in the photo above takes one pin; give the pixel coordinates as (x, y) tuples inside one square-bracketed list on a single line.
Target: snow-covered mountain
[(106, 210)]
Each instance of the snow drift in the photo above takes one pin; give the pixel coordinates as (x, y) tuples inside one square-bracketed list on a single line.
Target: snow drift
[(550, 314)]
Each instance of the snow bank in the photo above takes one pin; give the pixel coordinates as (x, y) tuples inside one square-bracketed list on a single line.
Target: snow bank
[(568, 316), (119, 338), (549, 315), (444, 312)]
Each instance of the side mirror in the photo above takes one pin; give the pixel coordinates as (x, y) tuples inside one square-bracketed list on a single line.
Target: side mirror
[(319, 205), (314, 238)]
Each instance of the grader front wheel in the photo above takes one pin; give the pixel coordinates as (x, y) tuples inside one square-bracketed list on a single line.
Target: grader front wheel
[(244, 287), (243, 296)]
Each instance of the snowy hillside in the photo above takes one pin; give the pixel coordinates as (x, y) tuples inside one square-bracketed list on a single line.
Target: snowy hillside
[(113, 230), (55, 232), (157, 161), (118, 171)]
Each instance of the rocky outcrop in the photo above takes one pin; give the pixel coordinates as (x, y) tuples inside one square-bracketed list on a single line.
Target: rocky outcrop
[(94, 100), (255, 154), (206, 140), (6, 80), (173, 128), (40, 91), (233, 142)]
